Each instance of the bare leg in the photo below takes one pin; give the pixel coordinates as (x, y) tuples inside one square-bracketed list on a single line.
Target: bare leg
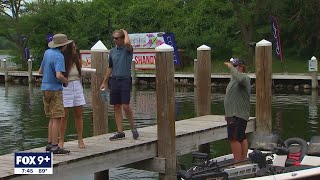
[(55, 130), (118, 115), (63, 126), (50, 131), (79, 125), (244, 147), (129, 114), (236, 150)]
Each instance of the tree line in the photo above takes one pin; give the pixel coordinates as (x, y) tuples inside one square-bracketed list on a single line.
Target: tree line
[(227, 26)]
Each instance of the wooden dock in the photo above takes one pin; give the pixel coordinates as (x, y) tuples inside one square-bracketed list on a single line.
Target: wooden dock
[(275, 76), (102, 154)]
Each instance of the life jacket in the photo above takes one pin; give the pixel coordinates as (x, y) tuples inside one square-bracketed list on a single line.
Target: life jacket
[(297, 150)]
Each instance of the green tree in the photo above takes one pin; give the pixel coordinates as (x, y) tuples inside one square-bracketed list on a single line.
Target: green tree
[(247, 13), (15, 26)]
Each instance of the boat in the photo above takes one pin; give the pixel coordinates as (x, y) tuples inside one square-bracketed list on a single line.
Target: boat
[(269, 157)]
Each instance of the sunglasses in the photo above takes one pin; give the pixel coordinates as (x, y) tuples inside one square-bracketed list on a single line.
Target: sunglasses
[(116, 38)]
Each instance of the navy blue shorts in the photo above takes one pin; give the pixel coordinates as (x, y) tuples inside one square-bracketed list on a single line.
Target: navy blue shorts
[(236, 128), (120, 89)]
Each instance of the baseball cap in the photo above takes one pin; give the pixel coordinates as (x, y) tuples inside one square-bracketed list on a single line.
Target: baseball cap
[(236, 62)]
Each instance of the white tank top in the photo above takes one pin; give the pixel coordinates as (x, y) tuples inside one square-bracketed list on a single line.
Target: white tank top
[(73, 74)]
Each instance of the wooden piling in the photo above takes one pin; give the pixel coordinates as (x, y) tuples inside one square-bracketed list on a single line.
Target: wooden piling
[(30, 78), (314, 81), (203, 90), (313, 69), (133, 72), (195, 72), (6, 76), (99, 54), (313, 108), (263, 86), (166, 110)]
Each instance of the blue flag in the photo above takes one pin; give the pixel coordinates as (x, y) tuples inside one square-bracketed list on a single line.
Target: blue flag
[(169, 39)]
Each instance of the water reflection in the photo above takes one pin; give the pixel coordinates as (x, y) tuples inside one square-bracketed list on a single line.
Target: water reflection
[(23, 124), (6, 89), (30, 88), (313, 111)]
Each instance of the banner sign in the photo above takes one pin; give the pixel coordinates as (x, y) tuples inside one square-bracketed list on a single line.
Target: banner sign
[(169, 39), (146, 40), (143, 49), (276, 37), (145, 59)]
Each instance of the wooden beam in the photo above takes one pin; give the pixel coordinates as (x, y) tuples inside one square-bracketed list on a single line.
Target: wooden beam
[(98, 163), (264, 85), (100, 108), (166, 110), (203, 88), (155, 164), (102, 154)]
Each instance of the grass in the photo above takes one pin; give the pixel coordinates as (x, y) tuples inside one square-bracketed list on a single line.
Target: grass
[(4, 52), (289, 65)]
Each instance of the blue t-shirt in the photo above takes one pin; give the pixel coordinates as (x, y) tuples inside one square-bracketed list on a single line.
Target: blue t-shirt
[(120, 61), (53, 61)]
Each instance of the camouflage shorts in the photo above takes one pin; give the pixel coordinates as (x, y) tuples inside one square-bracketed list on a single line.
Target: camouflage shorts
[(53, 104)]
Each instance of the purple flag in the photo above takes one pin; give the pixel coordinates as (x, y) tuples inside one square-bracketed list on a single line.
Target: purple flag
[(49, 37), (27, 53)]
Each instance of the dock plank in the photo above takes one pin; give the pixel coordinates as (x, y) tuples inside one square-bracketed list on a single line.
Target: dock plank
[(102, 154), (279, 76)]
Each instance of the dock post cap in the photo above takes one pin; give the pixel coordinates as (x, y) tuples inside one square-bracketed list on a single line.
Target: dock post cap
[(29, 60), (4, 60), (264, 43), (204, 48), (313, 58), (195, 60), (88, 70), (99, 47), (164, 48)]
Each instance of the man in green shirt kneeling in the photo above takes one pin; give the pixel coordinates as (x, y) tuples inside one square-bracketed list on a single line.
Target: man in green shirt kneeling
[(237, 108)]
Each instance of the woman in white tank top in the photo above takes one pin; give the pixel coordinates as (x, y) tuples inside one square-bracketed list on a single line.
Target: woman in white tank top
[(73, 94)]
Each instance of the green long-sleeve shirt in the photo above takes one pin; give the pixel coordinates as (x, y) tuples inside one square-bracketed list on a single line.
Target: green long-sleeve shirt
[(237, 98)]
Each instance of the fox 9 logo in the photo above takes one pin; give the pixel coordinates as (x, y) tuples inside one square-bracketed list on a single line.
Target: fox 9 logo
[(32, 160)]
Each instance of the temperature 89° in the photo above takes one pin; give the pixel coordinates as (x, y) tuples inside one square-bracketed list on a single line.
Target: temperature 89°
[(42, 171)]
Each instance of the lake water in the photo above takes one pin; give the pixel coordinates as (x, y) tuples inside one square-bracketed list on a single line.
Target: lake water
[(23, 124)]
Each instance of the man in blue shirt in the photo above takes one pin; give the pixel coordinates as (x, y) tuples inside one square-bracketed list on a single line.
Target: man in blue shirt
[(119, 73), (52, 67)]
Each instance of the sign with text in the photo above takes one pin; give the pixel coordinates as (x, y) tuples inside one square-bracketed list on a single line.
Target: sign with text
[(145, 59), (33, 163)]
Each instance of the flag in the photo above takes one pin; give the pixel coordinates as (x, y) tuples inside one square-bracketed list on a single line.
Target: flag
[(169, 39), (27, 53), (276, 37), (49, 37)]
